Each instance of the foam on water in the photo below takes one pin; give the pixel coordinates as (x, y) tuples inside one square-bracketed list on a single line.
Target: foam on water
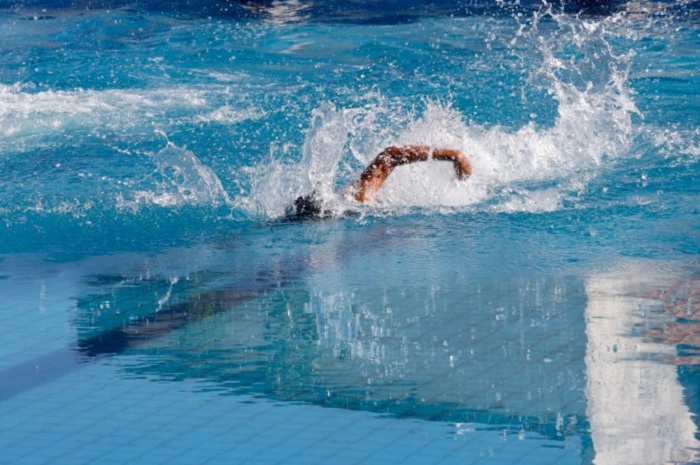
[(26, 112), (31, 118), (529, 169), (50, 121)]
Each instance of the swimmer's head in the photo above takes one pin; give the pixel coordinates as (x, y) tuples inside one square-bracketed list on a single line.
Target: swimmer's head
[(308, 206)]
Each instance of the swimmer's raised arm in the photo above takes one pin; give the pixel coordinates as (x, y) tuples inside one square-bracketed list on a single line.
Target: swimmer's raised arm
[(372, 178), (375, 174)]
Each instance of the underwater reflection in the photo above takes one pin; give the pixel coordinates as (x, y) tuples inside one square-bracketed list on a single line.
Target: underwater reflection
[(505, 352), (681, 302), (636, 406), (279, 12), (562, 356)]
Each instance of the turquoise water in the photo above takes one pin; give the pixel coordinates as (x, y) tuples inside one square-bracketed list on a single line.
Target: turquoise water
[(158, 307)]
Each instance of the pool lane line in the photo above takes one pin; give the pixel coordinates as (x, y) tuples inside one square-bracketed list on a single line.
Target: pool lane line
[(37, 371), (144, 329), (61, 362)]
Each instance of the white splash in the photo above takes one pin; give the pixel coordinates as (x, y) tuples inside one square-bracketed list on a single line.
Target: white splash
[(179, 178), (528, 169), (227, 114), (275, 183)]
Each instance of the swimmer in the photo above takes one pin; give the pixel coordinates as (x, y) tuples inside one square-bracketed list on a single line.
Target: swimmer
[(372, 178)]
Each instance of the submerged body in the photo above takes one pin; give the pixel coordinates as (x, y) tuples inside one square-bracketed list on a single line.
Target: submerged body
[(373, 177)]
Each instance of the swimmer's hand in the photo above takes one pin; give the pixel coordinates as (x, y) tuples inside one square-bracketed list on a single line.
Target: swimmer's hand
[(463, 169), (375, 174)]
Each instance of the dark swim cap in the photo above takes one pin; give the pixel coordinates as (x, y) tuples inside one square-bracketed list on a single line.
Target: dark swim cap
[(307, 207)]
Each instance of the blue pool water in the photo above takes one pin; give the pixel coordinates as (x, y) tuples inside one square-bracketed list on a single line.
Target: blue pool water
[(158, 308)]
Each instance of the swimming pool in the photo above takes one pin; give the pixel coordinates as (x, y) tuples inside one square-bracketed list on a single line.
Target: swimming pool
[(159, 308)]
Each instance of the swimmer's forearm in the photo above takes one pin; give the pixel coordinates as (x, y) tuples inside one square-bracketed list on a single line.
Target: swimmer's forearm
[(463, 168)]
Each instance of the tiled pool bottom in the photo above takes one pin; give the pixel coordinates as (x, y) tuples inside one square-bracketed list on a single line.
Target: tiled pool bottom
[(97, 416), (169, 401)]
